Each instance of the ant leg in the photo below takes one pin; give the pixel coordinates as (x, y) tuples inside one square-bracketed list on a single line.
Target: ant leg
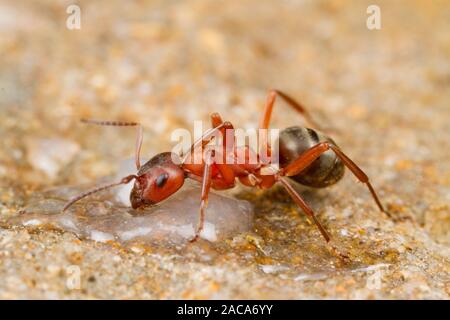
[(227, 131), (217, 125), (206, 186), (310, 213), (314, 152), (101, 188), (216, 119), (302, 204), (207, 136), (266, 116), (139, 135)]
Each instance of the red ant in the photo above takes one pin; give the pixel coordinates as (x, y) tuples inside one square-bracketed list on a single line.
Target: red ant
[(306, 156)]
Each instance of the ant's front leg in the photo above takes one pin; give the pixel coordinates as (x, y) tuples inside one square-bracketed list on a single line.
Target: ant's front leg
[(206, 186)]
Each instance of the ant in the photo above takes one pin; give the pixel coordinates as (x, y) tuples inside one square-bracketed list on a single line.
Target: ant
[(307, 156)]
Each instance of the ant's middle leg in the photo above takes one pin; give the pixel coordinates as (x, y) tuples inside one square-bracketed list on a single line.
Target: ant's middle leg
[(310, 213), (302, 204), (219, 127), (227, 132), (139, 134)]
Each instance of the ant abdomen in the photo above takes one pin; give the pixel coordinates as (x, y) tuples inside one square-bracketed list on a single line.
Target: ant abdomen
[(323, 172)]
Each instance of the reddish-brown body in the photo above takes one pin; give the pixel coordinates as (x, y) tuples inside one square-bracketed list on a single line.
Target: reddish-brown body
[(306, 156), (224, 175)]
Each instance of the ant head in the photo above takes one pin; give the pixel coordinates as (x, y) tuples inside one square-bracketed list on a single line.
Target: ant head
[(156, 180)]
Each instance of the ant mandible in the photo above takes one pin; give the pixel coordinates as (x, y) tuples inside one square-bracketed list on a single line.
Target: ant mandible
[(305, 157)]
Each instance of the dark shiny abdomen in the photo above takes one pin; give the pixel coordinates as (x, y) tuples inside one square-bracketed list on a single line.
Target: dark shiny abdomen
[(323, 172)]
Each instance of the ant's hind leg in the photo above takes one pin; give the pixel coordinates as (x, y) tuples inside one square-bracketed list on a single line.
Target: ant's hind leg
[(206, 186), (139, 134), (216, 119), (310, 155), (266, 116)]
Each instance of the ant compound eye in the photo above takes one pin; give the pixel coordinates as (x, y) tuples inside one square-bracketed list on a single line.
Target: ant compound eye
[(161, 180)]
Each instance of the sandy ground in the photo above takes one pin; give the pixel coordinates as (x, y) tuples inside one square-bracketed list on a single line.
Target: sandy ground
[(384, 94)]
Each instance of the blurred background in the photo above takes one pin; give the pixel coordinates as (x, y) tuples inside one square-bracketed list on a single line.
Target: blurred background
[(384, 94)]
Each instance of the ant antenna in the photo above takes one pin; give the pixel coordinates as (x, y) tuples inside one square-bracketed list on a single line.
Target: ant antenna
[(101, 188), (123, 124)]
